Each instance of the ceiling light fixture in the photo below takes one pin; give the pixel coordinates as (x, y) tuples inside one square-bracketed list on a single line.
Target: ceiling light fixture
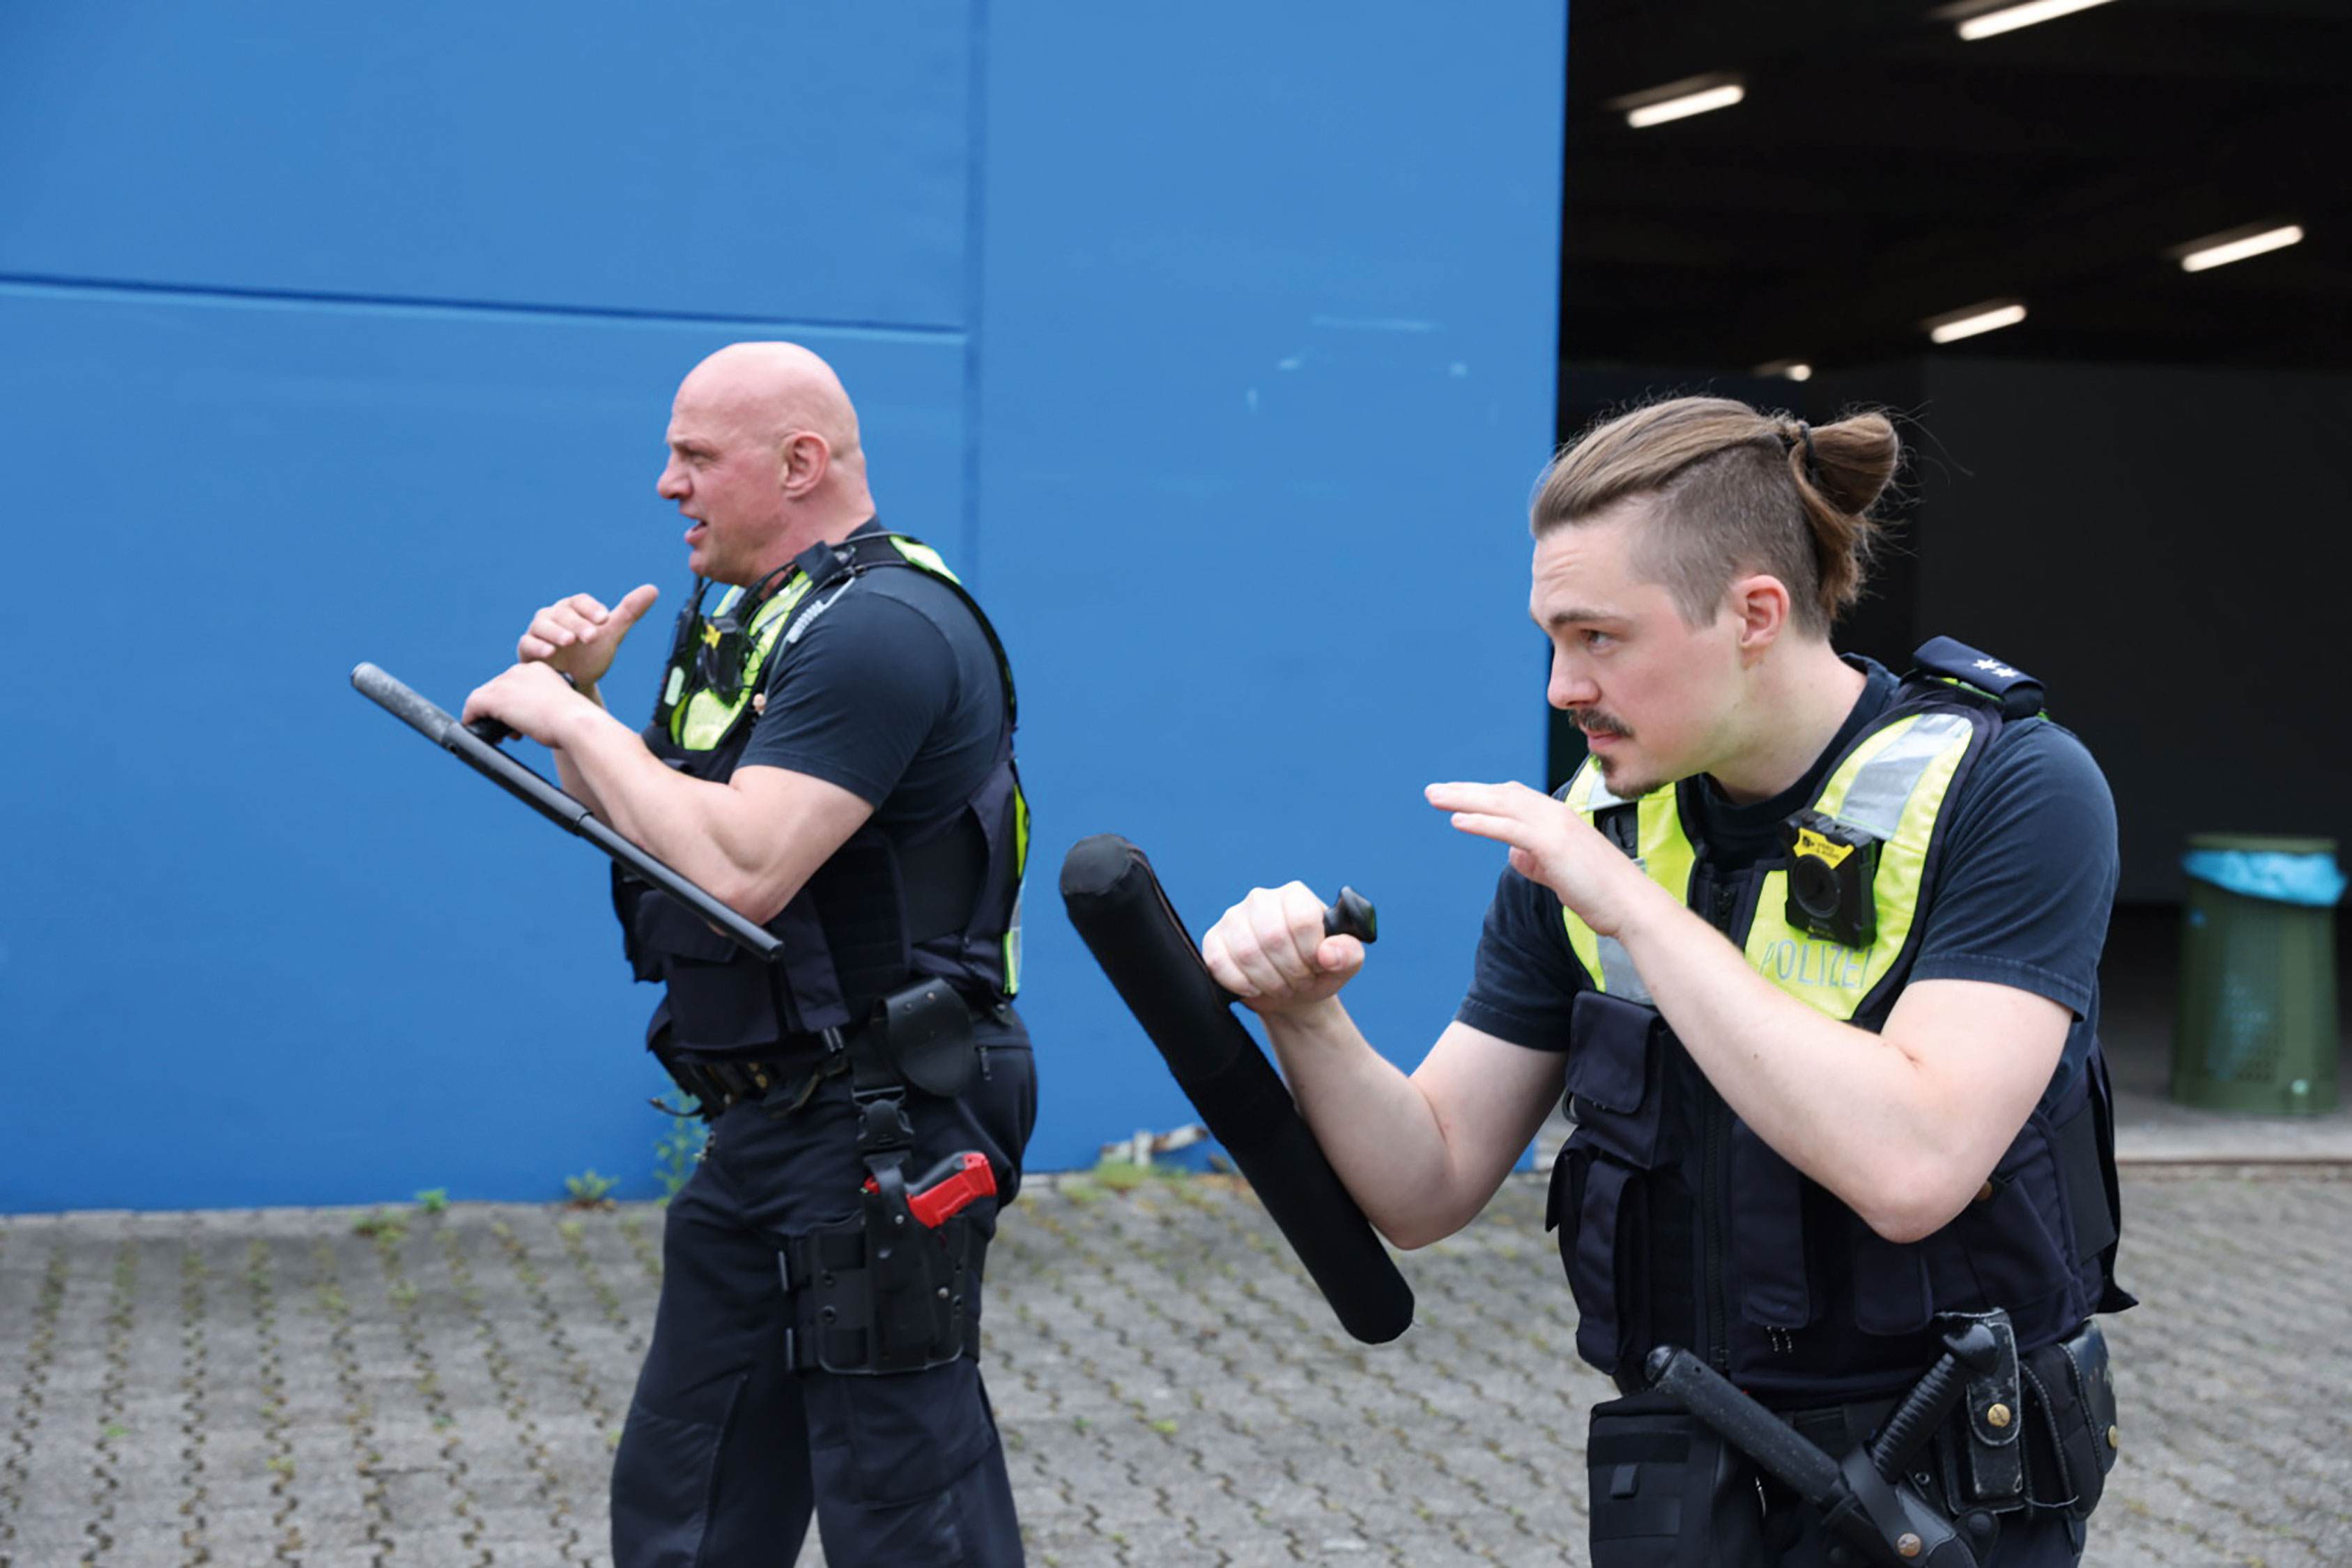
[(2236, 245), (1967, 323), (1679, 100), (2009, 18), (1789, 369)]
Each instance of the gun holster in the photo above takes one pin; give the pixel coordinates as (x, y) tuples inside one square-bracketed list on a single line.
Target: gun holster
[(899, 1305)]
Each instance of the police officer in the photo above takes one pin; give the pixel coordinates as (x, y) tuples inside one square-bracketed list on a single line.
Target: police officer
[(831, 754), (1813, 953)]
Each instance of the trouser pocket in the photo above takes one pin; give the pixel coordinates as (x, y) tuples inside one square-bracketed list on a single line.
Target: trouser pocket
[(896, 1437)]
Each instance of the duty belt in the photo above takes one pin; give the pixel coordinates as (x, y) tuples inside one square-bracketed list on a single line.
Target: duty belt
[(789, 1076)]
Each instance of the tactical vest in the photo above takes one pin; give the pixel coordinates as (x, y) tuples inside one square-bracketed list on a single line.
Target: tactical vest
[(1678, 1225), (938, 901)]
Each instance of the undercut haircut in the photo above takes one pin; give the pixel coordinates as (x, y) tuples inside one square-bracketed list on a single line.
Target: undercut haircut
[(1732, 491)]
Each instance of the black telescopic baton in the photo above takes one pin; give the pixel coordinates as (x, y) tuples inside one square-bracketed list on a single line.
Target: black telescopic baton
[(476, 746), (1120, 910)]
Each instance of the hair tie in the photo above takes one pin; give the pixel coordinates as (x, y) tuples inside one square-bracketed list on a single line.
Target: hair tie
[(1812, 469)]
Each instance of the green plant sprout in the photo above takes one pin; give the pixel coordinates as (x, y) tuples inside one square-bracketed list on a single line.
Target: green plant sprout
[(588, 1190)]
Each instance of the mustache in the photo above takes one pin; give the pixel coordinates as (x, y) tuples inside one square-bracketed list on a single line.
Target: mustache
[(1598, 724)]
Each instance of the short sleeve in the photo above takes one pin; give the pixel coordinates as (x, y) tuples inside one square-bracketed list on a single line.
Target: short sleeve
[(1525, 977), (856, 697), (2028, 875)]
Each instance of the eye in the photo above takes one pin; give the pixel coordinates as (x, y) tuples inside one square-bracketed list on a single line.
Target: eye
[(1598, 639)]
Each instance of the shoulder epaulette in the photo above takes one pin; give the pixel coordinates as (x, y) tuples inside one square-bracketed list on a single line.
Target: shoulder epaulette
[(1954, 663)]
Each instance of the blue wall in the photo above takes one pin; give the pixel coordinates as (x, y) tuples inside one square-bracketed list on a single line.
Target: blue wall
[(1215, 341)]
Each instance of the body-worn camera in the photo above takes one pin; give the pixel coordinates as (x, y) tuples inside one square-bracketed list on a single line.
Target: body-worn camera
[(1830, 875)]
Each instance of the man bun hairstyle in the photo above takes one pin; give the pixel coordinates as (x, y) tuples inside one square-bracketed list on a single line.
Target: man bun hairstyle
[(1733, 490)]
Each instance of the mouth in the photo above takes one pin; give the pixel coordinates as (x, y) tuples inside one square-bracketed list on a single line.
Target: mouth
[(1601, 731)]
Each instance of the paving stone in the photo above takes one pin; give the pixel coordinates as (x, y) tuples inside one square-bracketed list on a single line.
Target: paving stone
[(248, 1387)]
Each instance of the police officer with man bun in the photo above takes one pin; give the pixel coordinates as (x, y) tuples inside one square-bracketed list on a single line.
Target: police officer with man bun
[(1811, 953), (831, 754)]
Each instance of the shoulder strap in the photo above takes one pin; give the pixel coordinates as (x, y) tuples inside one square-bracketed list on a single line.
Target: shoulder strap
[(1954, 664), (854, 557)]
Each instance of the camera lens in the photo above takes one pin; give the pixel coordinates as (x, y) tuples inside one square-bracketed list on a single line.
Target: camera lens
[(1813, 886)]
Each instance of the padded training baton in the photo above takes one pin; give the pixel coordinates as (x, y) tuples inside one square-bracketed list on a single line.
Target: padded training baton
[(1124, 918), (476, 745)]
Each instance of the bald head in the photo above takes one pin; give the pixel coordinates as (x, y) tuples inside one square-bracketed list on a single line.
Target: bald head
[(776, 389), (764, 456)]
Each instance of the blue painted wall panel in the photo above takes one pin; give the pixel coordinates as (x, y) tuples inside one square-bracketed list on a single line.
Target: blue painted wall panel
[(1215, 342), (701, 157), (1278, 344)]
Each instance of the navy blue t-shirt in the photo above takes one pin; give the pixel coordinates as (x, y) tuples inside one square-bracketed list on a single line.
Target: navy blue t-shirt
[(2022, 899), (892, 692)]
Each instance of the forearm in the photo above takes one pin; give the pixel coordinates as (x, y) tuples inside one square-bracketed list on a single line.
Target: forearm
[(568, 773), (1879, 1125), (699, 828), (1383, 1131)]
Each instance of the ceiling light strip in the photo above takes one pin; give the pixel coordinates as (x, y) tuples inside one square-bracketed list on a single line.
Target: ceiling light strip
[(1951, 329), (2012, 17), (2222, 253), (1682, 107)]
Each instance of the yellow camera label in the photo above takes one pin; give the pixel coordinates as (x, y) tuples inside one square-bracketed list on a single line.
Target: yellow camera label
[(1812, 845)]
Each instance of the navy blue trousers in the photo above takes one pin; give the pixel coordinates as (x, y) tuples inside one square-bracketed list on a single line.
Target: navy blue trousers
[(728, 1452)]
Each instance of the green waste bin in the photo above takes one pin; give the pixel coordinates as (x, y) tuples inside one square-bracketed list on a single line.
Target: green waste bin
[(2256, 1025)]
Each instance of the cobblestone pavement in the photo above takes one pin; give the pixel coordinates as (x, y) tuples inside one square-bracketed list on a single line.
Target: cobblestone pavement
[(333, 1389)]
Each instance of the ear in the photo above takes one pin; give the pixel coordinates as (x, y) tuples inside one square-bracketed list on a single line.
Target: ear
[(802, 462), (1759, 610)]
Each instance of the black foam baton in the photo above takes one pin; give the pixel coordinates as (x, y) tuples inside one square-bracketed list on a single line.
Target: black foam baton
[(476, 745), (1123, 914)]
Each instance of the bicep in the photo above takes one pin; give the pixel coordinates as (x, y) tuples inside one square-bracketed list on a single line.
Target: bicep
[(1986, 1053), (1489, 1097), (2029, 875)]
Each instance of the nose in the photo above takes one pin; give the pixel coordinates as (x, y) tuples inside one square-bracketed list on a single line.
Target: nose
[(1569, 688), (671, 485)]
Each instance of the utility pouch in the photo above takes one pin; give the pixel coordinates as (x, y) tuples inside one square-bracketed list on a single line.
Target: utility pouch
[(923, 1032), (1667, 1490), (1993, 1426), (900, 1307), (2074, 1397)]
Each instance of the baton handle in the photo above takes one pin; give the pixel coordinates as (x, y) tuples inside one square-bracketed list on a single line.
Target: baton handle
[(1973, 1347), (1776, 1446), (467, 742), (1353, 915)]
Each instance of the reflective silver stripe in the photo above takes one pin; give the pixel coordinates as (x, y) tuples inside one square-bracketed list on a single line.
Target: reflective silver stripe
[(800, 627), (1618, 975), (1883, 787)]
